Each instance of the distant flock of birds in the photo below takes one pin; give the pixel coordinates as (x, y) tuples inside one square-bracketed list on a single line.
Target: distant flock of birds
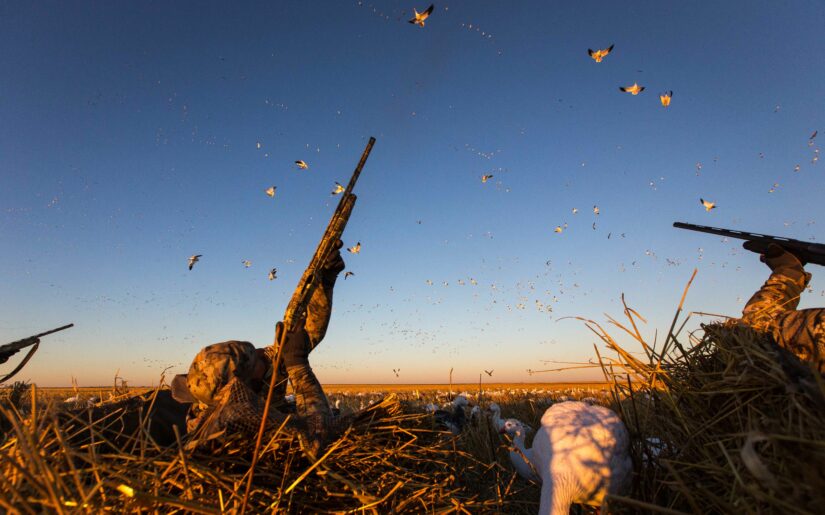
[(598, 55), (273, 273), (270, 192)]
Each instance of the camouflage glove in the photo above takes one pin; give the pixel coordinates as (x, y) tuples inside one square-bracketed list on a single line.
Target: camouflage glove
[(333, 265), (781, 262), (774, 255), (296, 347)]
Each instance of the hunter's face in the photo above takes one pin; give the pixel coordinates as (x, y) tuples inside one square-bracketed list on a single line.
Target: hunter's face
[(259, 370)]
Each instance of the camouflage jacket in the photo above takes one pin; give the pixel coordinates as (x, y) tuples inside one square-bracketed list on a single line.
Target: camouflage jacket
[(773, 310)]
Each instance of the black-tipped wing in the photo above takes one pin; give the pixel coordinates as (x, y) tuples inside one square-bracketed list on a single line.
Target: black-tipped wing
[(609, 49), (429, 10), (590, 52)]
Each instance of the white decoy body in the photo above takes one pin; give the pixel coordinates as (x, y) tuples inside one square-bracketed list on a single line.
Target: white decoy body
[(580, 453)]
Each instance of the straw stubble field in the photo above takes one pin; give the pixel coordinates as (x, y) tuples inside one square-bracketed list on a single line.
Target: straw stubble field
[(392, 457)]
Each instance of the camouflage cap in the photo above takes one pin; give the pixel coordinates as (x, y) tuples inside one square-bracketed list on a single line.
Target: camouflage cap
[(215, 365)]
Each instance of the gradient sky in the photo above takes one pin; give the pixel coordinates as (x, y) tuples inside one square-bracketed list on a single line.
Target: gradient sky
[(129, 139)]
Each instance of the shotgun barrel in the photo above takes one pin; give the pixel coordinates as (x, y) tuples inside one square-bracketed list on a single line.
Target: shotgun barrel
[(9, 349)]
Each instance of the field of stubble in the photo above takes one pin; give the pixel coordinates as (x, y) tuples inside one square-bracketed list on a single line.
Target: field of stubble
[(433, 466)]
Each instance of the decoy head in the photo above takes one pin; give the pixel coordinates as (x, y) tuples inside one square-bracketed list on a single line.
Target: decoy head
[(514, 427)]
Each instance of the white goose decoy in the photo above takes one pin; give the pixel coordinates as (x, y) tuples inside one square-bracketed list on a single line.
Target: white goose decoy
[(522, 458), (580, 454)]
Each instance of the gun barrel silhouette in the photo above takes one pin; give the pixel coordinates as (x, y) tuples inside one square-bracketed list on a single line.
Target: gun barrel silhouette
[(10, 349), (805, 251)]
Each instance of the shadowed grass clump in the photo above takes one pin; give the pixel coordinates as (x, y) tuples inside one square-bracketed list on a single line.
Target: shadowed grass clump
[(723, 421)]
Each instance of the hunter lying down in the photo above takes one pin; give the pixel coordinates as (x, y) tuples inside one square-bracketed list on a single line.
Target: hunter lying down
[(226, 387)]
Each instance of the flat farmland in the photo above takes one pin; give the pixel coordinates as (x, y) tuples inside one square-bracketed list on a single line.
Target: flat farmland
[(103, 392), (462, 387)]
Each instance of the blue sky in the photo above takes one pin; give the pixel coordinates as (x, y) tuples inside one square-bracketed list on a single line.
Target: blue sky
[(130, 141)]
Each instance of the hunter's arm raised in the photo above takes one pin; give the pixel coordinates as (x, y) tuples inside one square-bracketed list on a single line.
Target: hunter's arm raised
[(319, 309)]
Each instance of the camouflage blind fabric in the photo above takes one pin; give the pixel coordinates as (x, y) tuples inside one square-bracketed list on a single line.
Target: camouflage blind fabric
[(237, 410)]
